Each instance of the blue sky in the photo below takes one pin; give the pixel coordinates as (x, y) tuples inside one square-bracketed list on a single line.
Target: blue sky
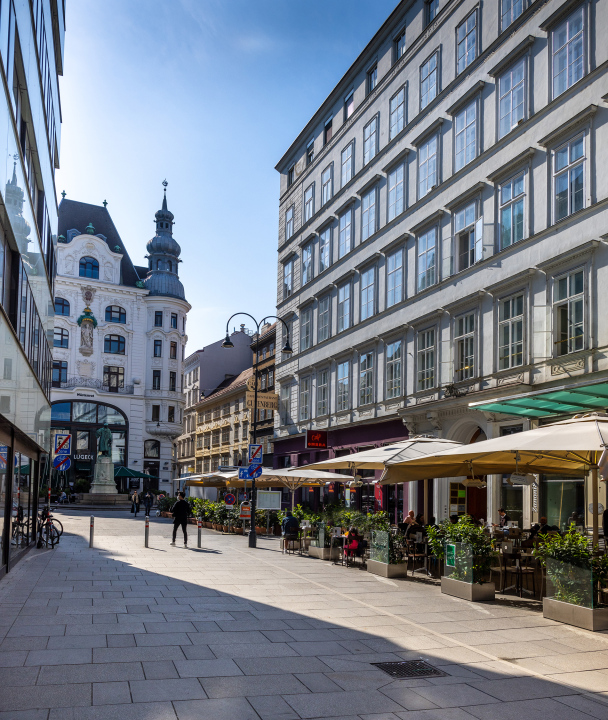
[(209, 94)]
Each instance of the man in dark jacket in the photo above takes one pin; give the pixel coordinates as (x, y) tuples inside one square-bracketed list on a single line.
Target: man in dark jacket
[(181, 512), (289, 527), (148, 500)]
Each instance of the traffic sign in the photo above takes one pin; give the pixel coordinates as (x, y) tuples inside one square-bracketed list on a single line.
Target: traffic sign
[(229, 499), (255, 454), (250, 473), (63, 444), (62, 462)]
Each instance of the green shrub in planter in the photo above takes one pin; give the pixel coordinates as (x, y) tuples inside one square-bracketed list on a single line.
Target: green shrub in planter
[(473, 552)]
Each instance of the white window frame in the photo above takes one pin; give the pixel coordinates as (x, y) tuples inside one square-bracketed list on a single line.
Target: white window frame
[(510, 10), (347, 163), (423, 252), (370, 140), (304, 399), (344, 307), (343, 386), (519, 112), (511, 331), (462, 42), (322, 392), (395, 185), (571, 301), (567, 170), (471, 225), (325, 249), (465, 119), (310, 153), (324, 318), (288, 278), (395, 276), (369, 213), (512, 195), (327, 184), (465, 342), (307, 263), (345, 228), (431, 10), (309, 202), (399, 46), (397, 113), (350, 97), (426, 160), (570, 43), (305, 329), (429, 74), (426, 359), (285, 407), (289, 213), (393, 369), (366, 378), (372, 78), (367, 292)]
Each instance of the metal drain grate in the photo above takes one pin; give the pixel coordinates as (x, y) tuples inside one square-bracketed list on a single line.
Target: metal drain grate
[(409, 669)]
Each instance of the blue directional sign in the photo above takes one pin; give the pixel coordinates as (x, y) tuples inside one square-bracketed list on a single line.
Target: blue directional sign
[(62, 462), (255, 454), (253, 471)]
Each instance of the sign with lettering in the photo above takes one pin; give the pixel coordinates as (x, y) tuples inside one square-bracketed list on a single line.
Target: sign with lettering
[(83, 456), (450, 555), (316, 439), (266, 401)]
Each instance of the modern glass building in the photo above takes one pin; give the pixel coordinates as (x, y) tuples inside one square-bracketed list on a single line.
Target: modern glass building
[(31, 58)]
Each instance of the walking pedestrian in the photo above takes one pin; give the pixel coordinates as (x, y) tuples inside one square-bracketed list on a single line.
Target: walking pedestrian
[(148, 500), (135, 503), (181, 512)]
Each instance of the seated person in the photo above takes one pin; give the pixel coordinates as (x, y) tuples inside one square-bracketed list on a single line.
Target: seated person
[(351, 542), (290, 525), (416, 527), (63, 498), (539, 528), (504, 518)]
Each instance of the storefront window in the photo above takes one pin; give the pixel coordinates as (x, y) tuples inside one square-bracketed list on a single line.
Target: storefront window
[(22, 505), (512, 496), (84, 412), (82, 440), (106, 414), (118, 448), (60, 412), (4, 455), (562, 500)]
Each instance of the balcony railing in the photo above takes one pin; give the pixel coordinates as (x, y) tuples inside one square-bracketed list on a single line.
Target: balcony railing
[(93, 383)]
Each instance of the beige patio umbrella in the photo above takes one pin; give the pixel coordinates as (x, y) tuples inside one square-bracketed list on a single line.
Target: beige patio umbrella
[(570, 447)]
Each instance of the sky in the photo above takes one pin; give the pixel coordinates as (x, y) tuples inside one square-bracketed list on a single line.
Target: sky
[(208, 94)]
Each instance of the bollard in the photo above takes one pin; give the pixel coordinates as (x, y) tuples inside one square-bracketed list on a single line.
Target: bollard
[(92, 532), (147, 528), (200, 526)]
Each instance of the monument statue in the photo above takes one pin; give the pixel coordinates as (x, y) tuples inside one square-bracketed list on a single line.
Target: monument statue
[(105, 440)]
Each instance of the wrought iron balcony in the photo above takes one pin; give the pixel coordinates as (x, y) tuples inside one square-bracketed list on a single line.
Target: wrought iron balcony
[(92, 383)]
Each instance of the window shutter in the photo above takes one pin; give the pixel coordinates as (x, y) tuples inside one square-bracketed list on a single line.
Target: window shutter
[(479, 240)]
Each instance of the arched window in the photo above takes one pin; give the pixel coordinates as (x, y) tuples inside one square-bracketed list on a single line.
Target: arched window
[(159, 265), (114, 313), (114, 344), (89, 268), (62, 307), (151, 449), (61, 338)]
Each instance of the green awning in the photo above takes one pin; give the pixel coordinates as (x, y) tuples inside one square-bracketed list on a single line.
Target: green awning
[(125, 472), (565, 400)]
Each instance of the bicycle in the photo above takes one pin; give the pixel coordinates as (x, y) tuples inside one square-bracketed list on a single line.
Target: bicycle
[(47, 532), (20, 529)]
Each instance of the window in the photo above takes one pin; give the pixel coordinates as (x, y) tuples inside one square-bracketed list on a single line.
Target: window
[(568, 178), (60, 372), (289, 223), (173, 381), (309, 201), (396, 192), (327, 131), (113, 377), (310, 152), (158, 348), (397, 112), (368, 292), (270, 383), (427, 166), (370, 139), (307, 264), (465, 347), (287, 278), (349, 105), (173, 351), (347, 164), (158, 318), (511, 10), (324, 249), (285, 404), (155, 413), (114, 313), (343, 398), (394, 278), (428, 81), (88, 268), (326, 189), (466, 41), (344, 307), (569, 312), (323, 319), (465, 136), (511, 332), (427, 251), (290, 175), (368, 214), (468, 233), (155, 379), (432, 8), (345, 235), (512, 195), (305, 329), (511, 98), (322, 392), (62, 307), (372, 79), (426, 359), (366, 378), (174, 321), (567, 45), (304, 398), (399, 45), (61, 338), (393, 369), (114, 344), (263, 380)]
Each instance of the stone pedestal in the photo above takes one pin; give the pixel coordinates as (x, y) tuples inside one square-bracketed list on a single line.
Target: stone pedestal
[(103, 480)]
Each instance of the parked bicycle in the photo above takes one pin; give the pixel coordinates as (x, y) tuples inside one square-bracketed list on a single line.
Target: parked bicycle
[(49, 529)]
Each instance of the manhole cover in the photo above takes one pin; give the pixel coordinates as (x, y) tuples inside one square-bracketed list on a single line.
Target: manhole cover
[(409, 669)]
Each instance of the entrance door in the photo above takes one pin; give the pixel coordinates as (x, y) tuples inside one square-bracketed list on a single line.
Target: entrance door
[(113, 377)]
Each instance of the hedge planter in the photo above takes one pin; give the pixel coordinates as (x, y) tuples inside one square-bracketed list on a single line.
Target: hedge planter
[(385, 555), (473, 592), (594, 619), (386, 570), (324, 553)]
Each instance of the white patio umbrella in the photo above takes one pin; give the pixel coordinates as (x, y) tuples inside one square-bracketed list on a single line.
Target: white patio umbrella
[(570, 447)]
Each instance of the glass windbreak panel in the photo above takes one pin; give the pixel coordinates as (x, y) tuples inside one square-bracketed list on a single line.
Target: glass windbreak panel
[(60, 412), (84, 412), (379, 549), (106, 414), (570, 583), (512, 500), (458, 562), (4, 455), (562, 501)]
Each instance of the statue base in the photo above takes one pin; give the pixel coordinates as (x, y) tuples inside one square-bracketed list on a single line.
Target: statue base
[(103, 480)]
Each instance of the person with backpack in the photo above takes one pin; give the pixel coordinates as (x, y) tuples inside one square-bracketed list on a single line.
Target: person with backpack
[(181, 512)]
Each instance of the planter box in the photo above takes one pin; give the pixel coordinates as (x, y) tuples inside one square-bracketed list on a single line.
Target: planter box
[(473, 592), (323, 553), (593, 619), (386, 570)]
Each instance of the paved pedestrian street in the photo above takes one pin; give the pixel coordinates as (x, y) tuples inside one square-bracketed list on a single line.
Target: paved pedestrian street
[(121, 632)]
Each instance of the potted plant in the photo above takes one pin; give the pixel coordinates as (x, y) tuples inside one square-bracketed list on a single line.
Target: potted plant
[(574, 578), (467, 554), (320, 545), (386, 556)]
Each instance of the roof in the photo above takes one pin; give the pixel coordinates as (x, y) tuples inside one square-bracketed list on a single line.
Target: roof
[(228, 386), (77, 215), (272, 330)]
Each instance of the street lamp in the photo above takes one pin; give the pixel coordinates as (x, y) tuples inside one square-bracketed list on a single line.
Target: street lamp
[(286, 349)]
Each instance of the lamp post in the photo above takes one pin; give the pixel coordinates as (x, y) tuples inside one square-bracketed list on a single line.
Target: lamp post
[(286, 349)]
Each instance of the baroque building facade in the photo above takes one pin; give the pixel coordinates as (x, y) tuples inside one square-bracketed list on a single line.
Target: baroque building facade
[(119, 345), (442, 244)]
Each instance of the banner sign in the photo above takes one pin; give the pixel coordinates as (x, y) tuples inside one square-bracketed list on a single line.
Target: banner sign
[(266, 401), (316, 439)]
